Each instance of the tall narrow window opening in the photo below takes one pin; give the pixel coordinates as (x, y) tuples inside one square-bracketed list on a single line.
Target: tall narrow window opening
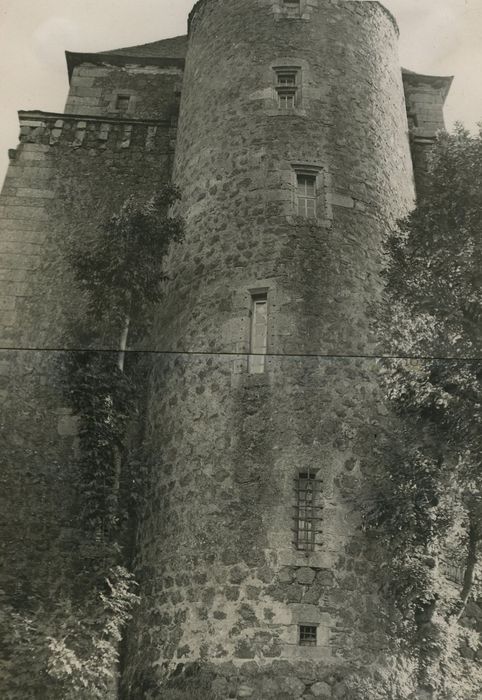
[(306, 192), (308, 517), (259, 333)]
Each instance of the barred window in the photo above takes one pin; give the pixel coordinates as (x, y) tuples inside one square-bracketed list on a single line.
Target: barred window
[(308, 511), (259, 333), (306, 193), (308, 636)]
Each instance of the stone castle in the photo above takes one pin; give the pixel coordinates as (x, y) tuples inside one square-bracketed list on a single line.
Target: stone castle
[(297, 141)]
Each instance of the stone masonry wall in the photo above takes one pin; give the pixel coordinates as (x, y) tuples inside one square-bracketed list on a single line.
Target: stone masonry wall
[(222, 584), (154, 90), (67, 176)]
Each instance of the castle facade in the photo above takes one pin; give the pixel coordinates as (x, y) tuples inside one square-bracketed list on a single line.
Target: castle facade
[(297, 141)]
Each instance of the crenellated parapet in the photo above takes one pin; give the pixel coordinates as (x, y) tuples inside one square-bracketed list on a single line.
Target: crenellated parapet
[(81, 131)]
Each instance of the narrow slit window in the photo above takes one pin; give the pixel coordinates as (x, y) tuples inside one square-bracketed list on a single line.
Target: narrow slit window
[(308, 516), (259, 333), (308, 636), (122, 103), (306, 192)]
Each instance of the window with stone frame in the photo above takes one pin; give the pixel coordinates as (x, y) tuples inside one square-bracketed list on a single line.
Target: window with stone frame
[(287, 87), (306, 194), (291, 7), (308, 635), (308, 511), (258, 343)]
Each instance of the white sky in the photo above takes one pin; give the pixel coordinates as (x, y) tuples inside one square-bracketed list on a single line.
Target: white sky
[(442, 37)]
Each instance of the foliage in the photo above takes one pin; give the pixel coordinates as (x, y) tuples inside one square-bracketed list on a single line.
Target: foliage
[(68, 651), (120, 272), (103, 397), (429, 508), (66, 646), (119, 266)]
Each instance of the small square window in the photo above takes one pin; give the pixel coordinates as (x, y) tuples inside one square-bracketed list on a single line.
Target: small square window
[(292, 7), (308, 636), (122, 103), (306, 193)]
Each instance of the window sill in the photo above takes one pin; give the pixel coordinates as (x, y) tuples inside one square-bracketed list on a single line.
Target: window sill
[(295, 112)]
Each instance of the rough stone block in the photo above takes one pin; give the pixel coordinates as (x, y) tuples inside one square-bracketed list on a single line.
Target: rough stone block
[(305, 576), (321, 690)]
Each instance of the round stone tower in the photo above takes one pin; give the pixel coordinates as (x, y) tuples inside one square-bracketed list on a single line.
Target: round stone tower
[(293, 162)]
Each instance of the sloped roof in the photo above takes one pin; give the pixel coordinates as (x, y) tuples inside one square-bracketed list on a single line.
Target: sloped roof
[(443, 82), (176, 47)]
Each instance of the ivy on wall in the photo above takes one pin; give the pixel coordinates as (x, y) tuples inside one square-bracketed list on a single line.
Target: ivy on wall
[(119, 272), (67, 646)]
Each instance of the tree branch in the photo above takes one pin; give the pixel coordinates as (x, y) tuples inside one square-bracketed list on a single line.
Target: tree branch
[(469, 576)]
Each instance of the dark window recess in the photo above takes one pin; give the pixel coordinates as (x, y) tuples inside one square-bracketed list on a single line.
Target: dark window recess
[(308, 511), (308, 635), (122, 103)]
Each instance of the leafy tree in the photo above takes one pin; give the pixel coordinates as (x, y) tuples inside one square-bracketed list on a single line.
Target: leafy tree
[(429, 508), (63, 650)]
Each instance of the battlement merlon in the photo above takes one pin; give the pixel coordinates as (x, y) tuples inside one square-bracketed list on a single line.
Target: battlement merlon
[(77, 130)]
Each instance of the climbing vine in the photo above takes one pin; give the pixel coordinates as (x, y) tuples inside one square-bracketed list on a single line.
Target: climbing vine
[(428, 510), (67, 646), (119, 273)]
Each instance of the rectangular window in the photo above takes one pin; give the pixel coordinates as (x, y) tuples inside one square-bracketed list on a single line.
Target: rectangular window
[(122, 103), (308, 516), (286, 99), (308, 635), (287, 86), (259, 333), (286, 77), (306, 185), (292, 5)]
